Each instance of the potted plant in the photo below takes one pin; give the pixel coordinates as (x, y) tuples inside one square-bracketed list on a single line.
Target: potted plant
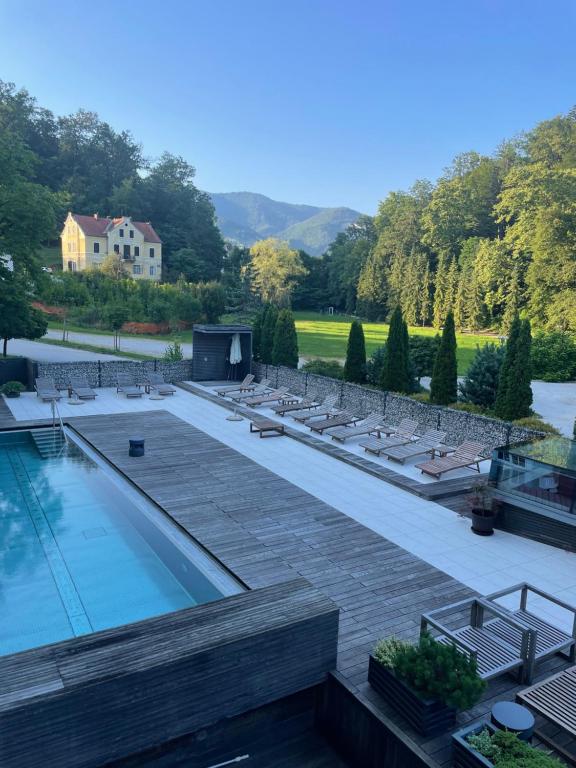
[(427, 683), (483, 514), (483, 746), (12, 389)]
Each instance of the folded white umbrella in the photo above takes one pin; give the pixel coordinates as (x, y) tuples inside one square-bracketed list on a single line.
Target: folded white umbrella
[(235, 350)]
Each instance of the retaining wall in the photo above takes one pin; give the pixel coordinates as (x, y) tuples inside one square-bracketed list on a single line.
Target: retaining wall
[(103, 373), (459, 425)]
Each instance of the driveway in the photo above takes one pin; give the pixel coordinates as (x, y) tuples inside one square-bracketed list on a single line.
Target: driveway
[(47, 353), (127, 343)]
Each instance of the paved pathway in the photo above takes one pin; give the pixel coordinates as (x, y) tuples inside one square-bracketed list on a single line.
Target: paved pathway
[(48, 353), (153, 347)]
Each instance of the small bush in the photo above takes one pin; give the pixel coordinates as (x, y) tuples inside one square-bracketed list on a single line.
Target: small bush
[(386, 651), (12, 387), (554, 357), (506, 750), (421, 397), (173, 352), (374, 366), (331, 368), (435, 671), (469, 408), (533, 422)]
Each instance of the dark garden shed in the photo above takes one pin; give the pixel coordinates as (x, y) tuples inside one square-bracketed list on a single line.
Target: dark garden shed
[(211, 352)]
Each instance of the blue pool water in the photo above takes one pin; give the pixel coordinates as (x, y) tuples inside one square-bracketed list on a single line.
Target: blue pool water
[(81, 551)]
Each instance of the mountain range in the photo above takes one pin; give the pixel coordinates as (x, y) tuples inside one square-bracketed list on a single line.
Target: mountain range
[(245, 217)]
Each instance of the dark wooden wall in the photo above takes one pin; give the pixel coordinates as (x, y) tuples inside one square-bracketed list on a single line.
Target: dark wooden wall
[(102, 697), (210, 353), (361, 734), (550, 529)]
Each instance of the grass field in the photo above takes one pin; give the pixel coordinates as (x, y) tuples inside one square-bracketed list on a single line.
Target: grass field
[(326, 336)]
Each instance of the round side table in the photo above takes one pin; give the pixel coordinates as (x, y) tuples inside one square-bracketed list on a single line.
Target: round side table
[(508, 716)]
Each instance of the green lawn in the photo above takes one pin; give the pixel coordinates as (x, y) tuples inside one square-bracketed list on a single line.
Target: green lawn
[(326, 336)]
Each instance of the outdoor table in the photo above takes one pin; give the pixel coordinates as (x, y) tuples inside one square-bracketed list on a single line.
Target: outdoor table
[(266, 425), (508, 716), (442, 450)]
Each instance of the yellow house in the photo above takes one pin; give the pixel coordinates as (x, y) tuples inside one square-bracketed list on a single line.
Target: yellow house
[(87, 240)]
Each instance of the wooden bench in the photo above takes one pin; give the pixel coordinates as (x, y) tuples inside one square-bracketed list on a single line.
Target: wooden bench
[(262, 426)]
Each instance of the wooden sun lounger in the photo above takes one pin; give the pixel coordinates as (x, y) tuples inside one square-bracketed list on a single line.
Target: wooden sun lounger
[(259, 389), (364, 427), (341, 420), (46, 389), (156, 381), (242, 386), (270, 397), (554, 699), (303, 405), (78, 385), (467, 455), (326, 409), (404, 434), (125, 384), (263, 426), (429, 442)]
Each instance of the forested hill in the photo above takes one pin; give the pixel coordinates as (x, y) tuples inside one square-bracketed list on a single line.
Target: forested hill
[(245, 217)]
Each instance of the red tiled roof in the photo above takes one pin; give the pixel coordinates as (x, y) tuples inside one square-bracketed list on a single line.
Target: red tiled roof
[(98, 227)]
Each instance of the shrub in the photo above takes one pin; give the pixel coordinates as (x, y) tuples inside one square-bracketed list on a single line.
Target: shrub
[(481, 382), (355, 366), (374, 366), (554, 356), (533, 422), (212, 298), (423, 351), (285, 346), (173, 352), (387, 650), (331, 368), (12, 387), (441, 672), (444, 384), (269, 318), (506, 750)]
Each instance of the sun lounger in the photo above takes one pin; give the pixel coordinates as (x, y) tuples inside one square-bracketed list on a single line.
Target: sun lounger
[(303, 405), (341, 420), (404, 434), (466, 455), (125, 384), (326, 409), (78, 385), (156, 382), (243, 386), (259, 389), (364, 427), (269, 397), (430, 441), (46, 389)]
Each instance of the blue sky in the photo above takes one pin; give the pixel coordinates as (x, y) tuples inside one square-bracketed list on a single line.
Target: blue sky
[(311, 101)]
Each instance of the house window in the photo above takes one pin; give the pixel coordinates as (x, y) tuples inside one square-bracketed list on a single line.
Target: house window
[(151, 253), (71, 266), (136, 250), (126, 251), (121, 233), (137, 269), (116, 248), (131, 233), (152, 271), (96, 247)]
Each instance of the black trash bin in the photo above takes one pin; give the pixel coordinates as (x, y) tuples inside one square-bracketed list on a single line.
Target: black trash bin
[(136, 446)]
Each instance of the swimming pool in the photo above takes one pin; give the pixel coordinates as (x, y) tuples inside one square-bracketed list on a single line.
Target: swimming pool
[(81, 550)]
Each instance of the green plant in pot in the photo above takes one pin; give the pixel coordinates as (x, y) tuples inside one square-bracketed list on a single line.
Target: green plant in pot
[(427, 682), (12, 389), (483, 514)]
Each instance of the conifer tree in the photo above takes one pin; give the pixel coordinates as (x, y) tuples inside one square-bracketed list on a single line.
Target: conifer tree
[(514, 395), (285, 346), (481, 382), (444, 384), (257, 334), (355, 366), (267, 335), (395, 375)]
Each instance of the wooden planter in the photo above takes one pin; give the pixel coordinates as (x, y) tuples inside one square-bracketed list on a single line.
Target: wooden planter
[(427, 716), (12, 394), (463, 754)]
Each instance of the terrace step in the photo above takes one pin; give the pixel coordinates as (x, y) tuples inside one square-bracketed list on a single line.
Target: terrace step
[(49, 442)]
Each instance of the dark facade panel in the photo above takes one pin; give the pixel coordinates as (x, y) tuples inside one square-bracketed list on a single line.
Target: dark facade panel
[(211, 353)]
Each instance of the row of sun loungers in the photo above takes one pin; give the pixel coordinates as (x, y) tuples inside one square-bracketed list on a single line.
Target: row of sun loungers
[(47, 390), (397, 443)]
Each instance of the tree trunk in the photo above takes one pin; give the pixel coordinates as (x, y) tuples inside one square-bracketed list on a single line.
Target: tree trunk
[(5, 347)]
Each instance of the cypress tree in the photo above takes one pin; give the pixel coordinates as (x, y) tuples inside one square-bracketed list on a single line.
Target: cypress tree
[(504, 406), (481, 382), (395, 375), (257, 335), (285, 347), (267, 334), (523, 377), (355, 366), (444, 384)]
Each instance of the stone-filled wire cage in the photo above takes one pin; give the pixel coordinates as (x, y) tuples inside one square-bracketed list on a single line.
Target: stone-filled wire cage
[(211, 345)]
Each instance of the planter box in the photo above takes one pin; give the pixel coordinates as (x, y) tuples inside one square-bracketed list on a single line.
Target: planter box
[(463, 754), (427, 716)]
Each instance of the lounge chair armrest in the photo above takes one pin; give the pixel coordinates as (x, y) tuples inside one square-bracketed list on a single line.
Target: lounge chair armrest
[(427, 621), (551, 598), (504, 615)]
